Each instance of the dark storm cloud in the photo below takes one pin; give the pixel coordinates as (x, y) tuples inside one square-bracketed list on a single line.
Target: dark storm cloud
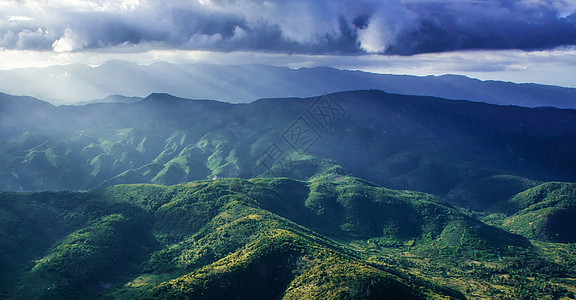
[(446, 26), (298, 26)]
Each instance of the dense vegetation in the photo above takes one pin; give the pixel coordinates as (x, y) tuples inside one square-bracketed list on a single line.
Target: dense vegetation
[(177, 198), (403, 142), (546, 212), (201, 240), (330, 237)]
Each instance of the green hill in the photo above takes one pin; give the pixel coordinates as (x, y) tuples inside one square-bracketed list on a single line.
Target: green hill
[(546, 212), (453, 149), (481, 193), (196, 199), (197, 240), (331, 237)]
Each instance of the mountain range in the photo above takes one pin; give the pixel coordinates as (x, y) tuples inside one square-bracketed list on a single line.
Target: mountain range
[(73, 84), (326, 238), (403, 142), (350, 195)]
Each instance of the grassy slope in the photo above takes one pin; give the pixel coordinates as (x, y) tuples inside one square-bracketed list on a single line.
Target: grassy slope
[(546, 212), (188, 240), (204, 238)]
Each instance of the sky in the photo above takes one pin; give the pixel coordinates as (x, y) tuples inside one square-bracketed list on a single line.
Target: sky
[(511, 40)]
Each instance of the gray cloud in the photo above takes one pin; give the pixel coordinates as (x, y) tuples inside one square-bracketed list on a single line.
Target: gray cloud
[(298, 26)]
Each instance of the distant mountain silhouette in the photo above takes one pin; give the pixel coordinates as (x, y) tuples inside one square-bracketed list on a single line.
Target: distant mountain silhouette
[(245, 83)]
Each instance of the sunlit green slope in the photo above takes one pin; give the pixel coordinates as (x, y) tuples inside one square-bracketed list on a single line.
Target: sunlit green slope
[(208, 239)]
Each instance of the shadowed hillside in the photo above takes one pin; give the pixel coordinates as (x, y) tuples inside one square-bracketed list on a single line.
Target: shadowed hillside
[(449, 148)]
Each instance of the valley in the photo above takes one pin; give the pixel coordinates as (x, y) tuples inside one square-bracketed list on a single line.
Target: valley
[(352, 195)]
